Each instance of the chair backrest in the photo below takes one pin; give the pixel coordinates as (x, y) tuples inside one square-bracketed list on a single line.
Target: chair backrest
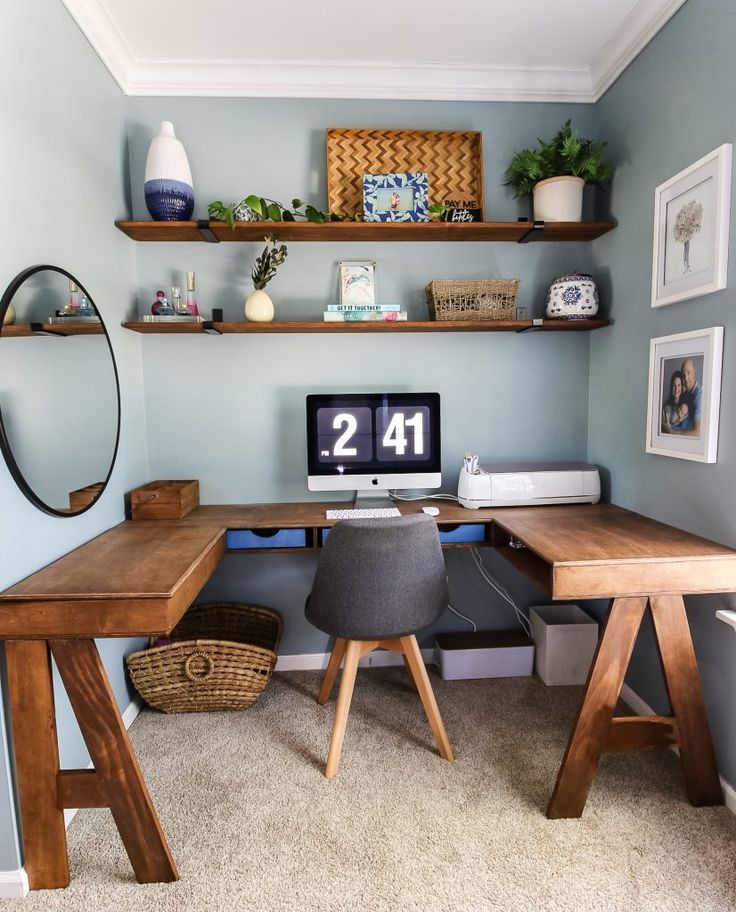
[(379, 578)]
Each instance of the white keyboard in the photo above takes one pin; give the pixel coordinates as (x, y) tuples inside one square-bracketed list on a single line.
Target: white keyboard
[(374, 513)]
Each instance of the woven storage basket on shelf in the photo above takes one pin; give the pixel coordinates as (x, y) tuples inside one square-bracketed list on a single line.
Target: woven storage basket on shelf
[(221, 656), (477, 299)]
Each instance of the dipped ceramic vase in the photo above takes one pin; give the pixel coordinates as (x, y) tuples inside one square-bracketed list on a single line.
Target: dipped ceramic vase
[(168, 181), (572, 297), (258, 307)]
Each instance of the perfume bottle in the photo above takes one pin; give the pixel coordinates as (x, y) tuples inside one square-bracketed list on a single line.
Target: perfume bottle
[(72, 305), (179, 308), (191, 296), (166, 310), (156, 306), (85, 307)]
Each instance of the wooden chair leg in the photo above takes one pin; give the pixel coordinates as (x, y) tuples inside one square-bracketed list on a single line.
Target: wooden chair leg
[(591, 730), (686, 699), (426, 694), (333, 666), (120, 779), (353, 651), (37, 763)]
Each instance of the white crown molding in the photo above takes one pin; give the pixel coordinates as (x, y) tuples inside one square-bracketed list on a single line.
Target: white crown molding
[(106, 39), (321, 79), (632, 36), (351, 79)]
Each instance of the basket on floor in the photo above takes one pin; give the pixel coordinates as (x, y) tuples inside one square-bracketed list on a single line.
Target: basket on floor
[(219, 657), (477, 299)]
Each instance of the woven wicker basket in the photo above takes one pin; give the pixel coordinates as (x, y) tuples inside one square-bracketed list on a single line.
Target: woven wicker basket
[(221, 657), (479, 299)]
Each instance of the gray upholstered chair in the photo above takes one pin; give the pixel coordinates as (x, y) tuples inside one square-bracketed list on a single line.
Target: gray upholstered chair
[(378, 581)]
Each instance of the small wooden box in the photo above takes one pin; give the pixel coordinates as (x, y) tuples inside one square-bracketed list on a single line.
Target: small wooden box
[(83, 497), (164, 500)]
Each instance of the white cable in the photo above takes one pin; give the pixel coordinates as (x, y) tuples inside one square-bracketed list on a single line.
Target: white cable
[(499, 589), (423, 496), (469, 620)]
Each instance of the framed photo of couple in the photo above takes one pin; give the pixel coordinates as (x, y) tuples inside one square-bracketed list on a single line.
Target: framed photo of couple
[(685, 394), (691, 222)]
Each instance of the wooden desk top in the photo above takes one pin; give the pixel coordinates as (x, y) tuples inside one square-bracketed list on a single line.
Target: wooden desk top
[(138, 578)]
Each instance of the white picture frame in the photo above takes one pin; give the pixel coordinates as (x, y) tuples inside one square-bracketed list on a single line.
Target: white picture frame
[(691, 229), (682, 414), (357, 283)]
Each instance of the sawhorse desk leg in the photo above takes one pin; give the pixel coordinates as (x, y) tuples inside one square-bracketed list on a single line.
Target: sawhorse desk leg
[(596, 730), (44, 791)]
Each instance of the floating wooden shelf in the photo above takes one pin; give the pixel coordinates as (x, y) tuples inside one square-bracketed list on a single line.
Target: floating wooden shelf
[(56, 329), (514, 232), (317, 326)]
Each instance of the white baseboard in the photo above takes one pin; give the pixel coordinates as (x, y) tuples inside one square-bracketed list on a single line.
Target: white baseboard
[(129, 715), (317, 661), (13, 884), (635, 702)]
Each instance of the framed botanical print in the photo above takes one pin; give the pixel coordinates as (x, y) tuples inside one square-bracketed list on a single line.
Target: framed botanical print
[(691, 227), (685, 394)]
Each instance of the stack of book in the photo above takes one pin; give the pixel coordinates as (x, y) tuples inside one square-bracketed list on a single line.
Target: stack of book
[(345, 313)]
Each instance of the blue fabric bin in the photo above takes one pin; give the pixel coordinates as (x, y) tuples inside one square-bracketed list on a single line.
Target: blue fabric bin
[(236, 539), (466, 532)]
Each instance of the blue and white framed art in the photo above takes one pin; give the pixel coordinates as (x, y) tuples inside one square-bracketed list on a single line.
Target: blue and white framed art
[(396, 197)]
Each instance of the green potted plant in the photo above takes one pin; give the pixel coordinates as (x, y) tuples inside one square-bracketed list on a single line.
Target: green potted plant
[(556, 172), (258, 305)]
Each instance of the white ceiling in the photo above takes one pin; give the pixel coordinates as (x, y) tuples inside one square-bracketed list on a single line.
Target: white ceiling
[(527, 50)]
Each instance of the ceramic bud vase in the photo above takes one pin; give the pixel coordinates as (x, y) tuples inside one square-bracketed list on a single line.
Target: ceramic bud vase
[(168, 187), (258, 307), (9, 317)]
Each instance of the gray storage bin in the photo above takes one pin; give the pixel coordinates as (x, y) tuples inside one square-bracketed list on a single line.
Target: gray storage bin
[(566, 638)]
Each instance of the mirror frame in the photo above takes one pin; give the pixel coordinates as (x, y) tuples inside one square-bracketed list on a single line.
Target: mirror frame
[(5, 446)]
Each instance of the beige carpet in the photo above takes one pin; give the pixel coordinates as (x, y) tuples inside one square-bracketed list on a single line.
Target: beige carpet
[(255, 826)]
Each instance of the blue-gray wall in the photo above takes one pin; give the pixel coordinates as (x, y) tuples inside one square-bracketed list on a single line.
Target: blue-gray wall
[(230, 410), (674, 104), (62, 183)]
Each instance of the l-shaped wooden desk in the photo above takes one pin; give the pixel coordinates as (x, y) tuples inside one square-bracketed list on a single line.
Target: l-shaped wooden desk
[(138, 579)]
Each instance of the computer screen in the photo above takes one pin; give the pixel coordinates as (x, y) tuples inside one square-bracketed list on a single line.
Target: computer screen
[(370, 442)]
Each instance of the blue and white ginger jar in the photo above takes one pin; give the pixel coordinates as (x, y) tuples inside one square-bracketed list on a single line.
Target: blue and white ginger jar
[(168, 182), (572, 297)]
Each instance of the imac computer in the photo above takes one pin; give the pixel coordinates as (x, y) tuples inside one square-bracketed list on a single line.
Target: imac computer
[(371, 442)]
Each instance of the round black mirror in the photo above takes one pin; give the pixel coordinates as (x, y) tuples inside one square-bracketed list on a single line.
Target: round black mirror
[(59, 391)]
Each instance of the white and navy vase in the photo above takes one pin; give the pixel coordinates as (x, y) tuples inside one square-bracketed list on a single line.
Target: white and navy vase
[(168, 188), (572, 297)]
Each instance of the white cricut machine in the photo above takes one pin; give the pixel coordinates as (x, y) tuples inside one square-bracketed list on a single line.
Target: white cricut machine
[(517, 484)]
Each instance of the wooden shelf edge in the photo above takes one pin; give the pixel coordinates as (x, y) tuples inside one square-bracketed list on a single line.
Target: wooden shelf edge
[(19, 330), (512, 232), (317, 326)]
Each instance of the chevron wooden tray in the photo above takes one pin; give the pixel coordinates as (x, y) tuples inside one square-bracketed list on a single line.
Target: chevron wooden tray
[(453, 160)]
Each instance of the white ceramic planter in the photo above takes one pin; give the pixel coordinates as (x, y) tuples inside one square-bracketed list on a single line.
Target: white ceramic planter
[(559, 199), (258, 307)]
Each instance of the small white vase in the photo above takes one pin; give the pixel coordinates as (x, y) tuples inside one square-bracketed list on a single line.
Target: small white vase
[(559, 199), (258, 307), (168, 180), (9, 317)]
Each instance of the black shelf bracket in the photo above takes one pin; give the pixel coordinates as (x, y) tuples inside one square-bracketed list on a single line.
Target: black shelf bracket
[(209, 327), (535, 324), (532, 233), (38, 330), (207, 233)]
